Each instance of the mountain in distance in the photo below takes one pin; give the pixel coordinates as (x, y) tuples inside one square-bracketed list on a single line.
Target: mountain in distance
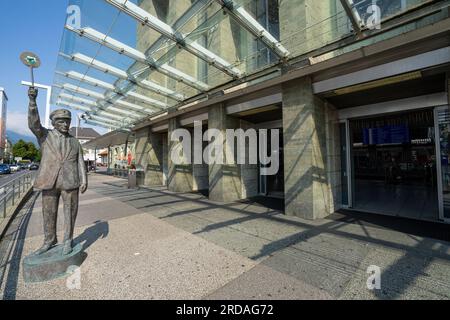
[(14, 137)]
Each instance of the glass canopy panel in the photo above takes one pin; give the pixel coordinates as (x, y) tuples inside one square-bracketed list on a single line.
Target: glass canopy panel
[(300, 27), (120, 62), (368, 9), (158, 45), (226, 40)]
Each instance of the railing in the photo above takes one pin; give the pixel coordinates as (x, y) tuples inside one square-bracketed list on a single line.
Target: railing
[(12, 192)]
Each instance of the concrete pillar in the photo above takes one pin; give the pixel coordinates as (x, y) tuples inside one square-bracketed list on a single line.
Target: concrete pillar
[(249, 172), (200, 172), (149, 156), (224, 180), (179, 175), (230, 182), (165, 145), (306, 25), (333, 156), (307, 166)]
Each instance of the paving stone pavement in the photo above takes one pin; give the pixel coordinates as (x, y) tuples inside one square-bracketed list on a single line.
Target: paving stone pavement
[(155, 244)]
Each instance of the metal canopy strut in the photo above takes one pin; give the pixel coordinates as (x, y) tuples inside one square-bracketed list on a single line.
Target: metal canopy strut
[(100, 118), (86, 79), (99, 96), (112, 103), (353, 15), (191, 46), (94, 104), (107, 116), (136, 55), (101, 124), (248, 22), (98, 83), (103, 67), (193, 11), (75, 106)]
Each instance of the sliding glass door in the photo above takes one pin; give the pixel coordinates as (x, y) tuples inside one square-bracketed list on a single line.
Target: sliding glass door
[(442, 129)]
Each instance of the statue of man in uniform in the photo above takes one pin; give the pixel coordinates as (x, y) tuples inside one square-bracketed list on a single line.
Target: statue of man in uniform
[(62, 172)]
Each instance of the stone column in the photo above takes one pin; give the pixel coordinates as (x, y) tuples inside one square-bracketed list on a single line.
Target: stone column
[(249, 172), (149, 157), (224, 180), (333, 154), (200, 172), (165, 159), (307, 188), (179, 175), (306, 25)]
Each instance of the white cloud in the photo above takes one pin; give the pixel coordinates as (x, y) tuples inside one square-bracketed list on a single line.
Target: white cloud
[(18, 122)]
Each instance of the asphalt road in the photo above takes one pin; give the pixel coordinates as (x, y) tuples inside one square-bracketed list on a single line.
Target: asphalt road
[(5, 178)]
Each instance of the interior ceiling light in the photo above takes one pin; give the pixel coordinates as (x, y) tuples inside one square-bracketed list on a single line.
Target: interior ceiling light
[(378, 83)]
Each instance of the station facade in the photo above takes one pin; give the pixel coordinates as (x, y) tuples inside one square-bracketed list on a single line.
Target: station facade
[(359, 92), (364, 121)]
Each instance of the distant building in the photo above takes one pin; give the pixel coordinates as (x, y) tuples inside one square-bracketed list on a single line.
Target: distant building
[(85, 135), (3, 112), (103, 156), (8, 153)]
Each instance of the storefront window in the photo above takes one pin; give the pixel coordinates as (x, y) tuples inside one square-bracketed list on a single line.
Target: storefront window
[(266, 12)]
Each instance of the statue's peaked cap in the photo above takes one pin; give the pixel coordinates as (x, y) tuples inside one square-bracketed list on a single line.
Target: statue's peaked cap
[(60, 114)]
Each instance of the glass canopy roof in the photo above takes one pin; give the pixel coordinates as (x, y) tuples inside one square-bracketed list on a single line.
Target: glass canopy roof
[(122, 61)]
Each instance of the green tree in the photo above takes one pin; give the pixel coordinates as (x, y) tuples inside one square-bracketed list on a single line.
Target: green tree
[(26, 151)]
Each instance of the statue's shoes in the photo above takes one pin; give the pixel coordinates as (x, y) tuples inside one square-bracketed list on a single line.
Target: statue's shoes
[(45, 248), (67, 249)]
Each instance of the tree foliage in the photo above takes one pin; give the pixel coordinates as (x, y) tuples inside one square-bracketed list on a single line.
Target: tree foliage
[(26, 151)]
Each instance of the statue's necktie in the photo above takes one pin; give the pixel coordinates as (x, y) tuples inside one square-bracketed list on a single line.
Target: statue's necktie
[(62, 146)]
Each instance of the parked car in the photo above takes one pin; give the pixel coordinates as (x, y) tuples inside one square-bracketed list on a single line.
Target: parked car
[(14, 167), (4, 169), (34, 167), (23, 166)]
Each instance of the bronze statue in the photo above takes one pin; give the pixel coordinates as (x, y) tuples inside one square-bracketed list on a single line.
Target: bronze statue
[(62, 173)]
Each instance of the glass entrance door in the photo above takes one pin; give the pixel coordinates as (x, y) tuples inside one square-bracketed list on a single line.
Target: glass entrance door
[(393, 165), (442, 126), (273, 185)]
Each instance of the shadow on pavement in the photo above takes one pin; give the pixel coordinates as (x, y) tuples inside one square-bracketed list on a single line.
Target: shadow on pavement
[(99, 230)]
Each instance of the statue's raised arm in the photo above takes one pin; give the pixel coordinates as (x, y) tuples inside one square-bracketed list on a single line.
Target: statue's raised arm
[(34, 121)]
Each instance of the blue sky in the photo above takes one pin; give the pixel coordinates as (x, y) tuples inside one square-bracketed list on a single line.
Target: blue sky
[(28, 25)]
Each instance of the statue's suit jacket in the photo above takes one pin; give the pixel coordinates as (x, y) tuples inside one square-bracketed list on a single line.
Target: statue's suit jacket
[(62, 157)]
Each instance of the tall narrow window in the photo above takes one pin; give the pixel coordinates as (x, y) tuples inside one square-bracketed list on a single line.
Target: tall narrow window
[(266, 12)]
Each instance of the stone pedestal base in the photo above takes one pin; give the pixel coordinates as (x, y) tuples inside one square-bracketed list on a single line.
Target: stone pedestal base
[(51, 264)]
